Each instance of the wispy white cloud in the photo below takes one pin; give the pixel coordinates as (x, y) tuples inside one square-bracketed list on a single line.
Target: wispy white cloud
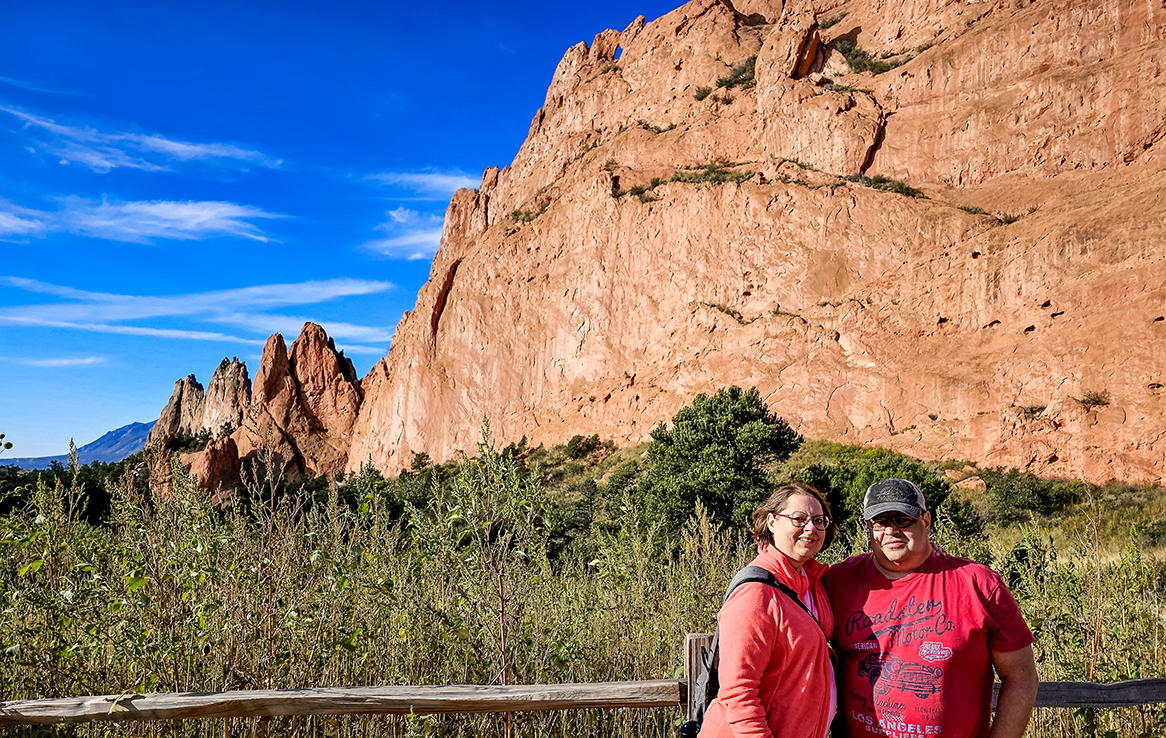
[(103, 151), (103, 312), (30, 86), (18, 221), (136, 222), (291, 324), (410, 235), (143, 221), (133, 330), (410, 247), (437, 184), (368, 350), (103, 306), (85, 361), (100, 158)]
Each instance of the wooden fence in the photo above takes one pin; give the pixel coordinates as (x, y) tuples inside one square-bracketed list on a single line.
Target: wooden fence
[(466, 699), (463, 698)]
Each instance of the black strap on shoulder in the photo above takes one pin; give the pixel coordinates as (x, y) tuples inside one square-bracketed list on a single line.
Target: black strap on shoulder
[(765, 576)]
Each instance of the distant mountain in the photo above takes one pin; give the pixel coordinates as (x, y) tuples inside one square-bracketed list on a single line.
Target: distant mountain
[(113, 446)]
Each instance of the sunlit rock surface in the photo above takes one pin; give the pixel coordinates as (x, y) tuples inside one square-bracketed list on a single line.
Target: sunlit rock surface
[(863, 315)]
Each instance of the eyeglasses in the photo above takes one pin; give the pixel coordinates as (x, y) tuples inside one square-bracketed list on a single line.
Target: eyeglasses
[(899, 522), (821, 522)]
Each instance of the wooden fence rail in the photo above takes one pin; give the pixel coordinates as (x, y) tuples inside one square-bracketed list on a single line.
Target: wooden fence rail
[(467, 698), (462, 698)]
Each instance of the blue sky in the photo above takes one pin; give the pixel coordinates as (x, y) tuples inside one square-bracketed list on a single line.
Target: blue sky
[(180, 180)]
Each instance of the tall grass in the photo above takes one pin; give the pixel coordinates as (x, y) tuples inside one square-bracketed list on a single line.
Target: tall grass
[(178, 594), (1094, 621), (374, 582)]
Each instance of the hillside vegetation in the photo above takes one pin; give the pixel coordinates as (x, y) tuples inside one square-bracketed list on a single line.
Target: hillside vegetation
[(521, 565)]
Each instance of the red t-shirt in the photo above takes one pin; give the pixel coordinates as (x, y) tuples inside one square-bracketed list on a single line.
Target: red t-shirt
[(914, 652)]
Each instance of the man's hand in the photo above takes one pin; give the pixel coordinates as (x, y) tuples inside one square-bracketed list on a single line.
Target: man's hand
[(1018, 684)]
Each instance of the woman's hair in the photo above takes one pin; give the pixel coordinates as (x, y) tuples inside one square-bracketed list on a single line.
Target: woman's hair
[(776, 503)]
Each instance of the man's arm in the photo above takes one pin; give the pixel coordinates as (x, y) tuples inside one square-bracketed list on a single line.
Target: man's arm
[(1018, 683)]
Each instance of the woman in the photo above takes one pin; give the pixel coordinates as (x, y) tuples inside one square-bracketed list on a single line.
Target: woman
[(775, 671)]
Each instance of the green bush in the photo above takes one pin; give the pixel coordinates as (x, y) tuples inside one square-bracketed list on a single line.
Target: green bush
[(879, 182), (848, 470), (184, 442), (844, 88), (580, 446), (860, 61), (657, 129), (525, 216), (716, 172), (714, 453), (741, 75), (731, 312), (1017, 496), (89, 483), (825, 23), (701, 93), (1091, 399)]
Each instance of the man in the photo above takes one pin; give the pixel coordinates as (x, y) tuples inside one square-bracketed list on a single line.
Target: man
[(917, 633)]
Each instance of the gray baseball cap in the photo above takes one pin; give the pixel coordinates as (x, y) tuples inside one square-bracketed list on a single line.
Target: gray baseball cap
[(893, 495)]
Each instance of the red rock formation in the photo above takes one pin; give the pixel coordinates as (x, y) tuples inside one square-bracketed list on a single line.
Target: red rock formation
[(312, 395), (180, 412), (862, 315), (299, 421), (191, 411), (227, 398), (217, 466)]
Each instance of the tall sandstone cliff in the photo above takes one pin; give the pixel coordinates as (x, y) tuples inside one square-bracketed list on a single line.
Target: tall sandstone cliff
[(967, 324)]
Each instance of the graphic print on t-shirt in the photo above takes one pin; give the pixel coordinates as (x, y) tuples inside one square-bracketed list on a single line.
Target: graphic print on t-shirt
[(932, 652), (901, 623), (888, 673)]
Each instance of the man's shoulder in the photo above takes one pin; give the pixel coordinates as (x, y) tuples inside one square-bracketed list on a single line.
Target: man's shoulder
[(965, 570)]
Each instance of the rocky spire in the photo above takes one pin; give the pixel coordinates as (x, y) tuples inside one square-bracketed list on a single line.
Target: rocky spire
[(226, 400), (180, 413)]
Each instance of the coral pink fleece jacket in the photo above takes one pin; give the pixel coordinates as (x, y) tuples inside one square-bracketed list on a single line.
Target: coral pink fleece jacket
[(775, 668)]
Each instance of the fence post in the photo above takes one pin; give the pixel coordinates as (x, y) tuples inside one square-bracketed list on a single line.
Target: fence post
[(695, 647)]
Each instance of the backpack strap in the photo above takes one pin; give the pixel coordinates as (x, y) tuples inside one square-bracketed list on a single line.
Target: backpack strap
[(765, 576)]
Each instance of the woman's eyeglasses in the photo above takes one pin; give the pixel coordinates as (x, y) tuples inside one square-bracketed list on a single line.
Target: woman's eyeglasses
[(821, 522)]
